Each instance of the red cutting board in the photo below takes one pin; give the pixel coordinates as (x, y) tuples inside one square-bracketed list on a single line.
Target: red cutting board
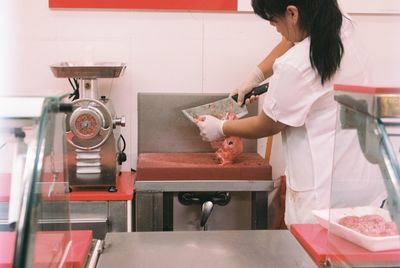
[(200, 166), (81, 243), (315, 241)]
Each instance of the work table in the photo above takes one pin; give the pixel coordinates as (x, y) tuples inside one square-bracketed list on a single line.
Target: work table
[(161, 176), (258, 248)]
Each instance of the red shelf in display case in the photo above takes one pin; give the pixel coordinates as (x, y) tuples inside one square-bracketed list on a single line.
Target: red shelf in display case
[(315, 241), (367, 89), (47, 244), (125, 186)]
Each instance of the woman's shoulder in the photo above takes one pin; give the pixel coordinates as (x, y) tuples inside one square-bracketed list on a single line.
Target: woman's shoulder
[(296, 57)]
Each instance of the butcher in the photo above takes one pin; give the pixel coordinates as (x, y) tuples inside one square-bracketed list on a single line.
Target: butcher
[(319, 48)]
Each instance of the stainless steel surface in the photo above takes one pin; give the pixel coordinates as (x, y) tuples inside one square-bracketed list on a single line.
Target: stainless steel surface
[(390, 169), (89, 125), (4, 226), (204, 249), (88, 88), (88, 71), (99, 228), (236, 215), (88, 209), (376, 105), (204, 186), (106, 172), (98, 248), (152, 212), (161, 211), (99, 216), (92, 148), (164, 111), (121, 121), (129, 216), (218, 108), (206, 210), (117, 211), (149, 211), (4, 210)]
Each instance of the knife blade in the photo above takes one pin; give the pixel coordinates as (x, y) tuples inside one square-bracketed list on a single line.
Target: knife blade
[(221, 107)]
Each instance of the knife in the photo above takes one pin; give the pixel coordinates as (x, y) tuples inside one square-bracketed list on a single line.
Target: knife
[(221, 107)]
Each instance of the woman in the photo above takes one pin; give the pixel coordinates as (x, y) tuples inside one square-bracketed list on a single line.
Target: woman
[(317, 50)]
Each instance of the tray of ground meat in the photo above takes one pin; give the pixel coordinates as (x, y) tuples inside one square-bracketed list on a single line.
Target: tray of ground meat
[(369, 227)]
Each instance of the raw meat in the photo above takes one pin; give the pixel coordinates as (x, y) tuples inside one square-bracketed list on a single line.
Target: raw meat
[(228, 148), (371, 225)]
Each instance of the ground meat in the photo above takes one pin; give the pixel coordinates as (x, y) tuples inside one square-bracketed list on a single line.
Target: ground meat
[(371, 225), (228, 148)]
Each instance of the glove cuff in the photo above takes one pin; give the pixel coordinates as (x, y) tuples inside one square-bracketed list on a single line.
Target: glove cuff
[(256, 76), (221, 127)]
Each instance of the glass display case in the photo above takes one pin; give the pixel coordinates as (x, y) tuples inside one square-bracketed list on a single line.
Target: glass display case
[(364, 215), (34, 207)]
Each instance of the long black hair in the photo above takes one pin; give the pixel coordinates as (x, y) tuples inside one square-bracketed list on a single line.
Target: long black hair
[(322, 20)]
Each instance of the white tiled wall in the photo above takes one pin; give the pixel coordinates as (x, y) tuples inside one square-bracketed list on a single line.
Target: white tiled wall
[(164, 52)]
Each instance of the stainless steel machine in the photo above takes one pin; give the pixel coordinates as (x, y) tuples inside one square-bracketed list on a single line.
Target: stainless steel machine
[(95, 148)]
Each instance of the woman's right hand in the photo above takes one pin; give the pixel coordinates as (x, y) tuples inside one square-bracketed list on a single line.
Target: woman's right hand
[(253, 80), (242, 91)]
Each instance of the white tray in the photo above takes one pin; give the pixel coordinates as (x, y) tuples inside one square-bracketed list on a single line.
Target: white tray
[(328, 219)]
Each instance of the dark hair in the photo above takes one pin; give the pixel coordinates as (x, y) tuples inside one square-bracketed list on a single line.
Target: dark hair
[(322, 20)]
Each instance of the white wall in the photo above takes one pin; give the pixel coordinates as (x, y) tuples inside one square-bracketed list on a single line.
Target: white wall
[(164, 52)]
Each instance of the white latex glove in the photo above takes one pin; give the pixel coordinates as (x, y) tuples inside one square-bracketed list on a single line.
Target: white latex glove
[(210, 128), (254, 79)]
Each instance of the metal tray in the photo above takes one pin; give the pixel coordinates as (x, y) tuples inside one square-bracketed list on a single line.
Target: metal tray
[(88, 71)]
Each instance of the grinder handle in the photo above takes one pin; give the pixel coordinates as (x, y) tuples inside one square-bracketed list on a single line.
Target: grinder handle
[(258, 90)]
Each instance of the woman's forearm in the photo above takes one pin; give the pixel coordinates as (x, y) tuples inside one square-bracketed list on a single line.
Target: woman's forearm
[(253, 127)]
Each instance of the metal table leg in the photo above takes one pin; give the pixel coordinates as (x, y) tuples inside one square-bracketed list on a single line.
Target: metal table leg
[(149, 211), (259, 210)]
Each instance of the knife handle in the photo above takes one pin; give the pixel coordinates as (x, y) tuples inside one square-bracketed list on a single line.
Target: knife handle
[(258, 90)]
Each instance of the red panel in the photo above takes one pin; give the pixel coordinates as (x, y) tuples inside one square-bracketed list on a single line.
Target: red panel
[(368, 89), (48, 246), (7, 246), (227, 5), (125, 184)]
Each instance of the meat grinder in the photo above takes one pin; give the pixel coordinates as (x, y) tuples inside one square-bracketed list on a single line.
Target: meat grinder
[(94, 152)]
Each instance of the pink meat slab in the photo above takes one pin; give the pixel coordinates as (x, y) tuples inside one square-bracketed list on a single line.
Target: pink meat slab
[(200, 166)]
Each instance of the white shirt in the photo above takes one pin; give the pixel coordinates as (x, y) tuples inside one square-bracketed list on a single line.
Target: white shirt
[(297, 98)]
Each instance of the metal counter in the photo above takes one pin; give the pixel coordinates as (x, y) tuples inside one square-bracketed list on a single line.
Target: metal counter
[(258, 248)]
